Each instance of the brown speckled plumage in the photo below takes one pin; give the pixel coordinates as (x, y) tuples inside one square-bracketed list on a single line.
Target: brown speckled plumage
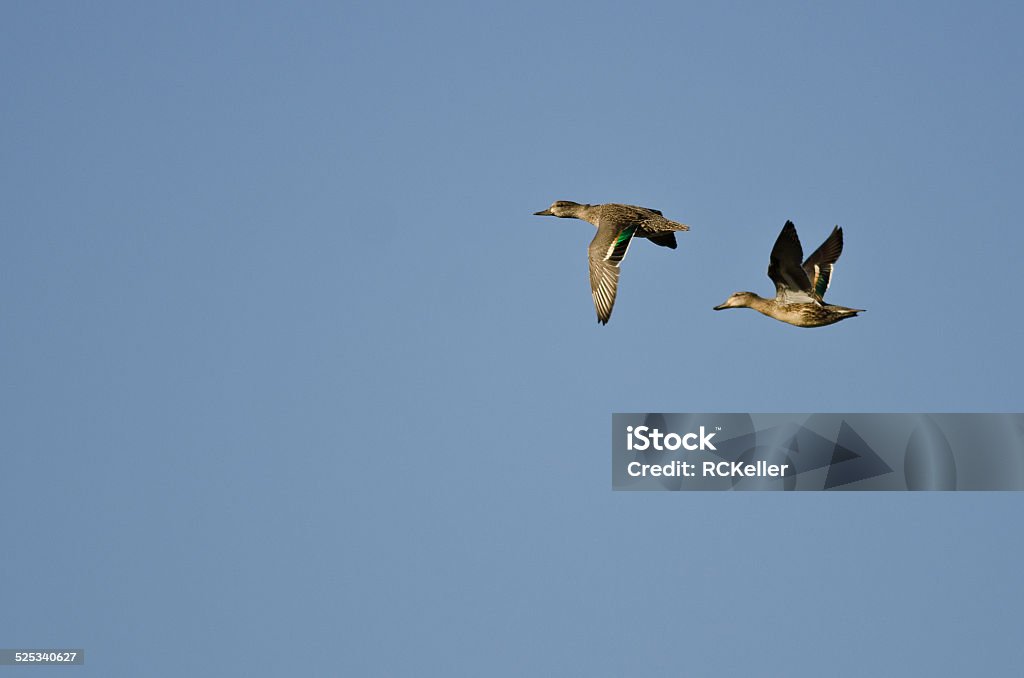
[(616, 226), (799, 288)]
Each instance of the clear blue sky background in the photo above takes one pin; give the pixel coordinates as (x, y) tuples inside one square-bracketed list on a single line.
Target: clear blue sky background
[(293, 382)]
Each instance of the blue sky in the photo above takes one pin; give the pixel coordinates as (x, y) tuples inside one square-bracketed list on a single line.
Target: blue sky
[(294, 382)]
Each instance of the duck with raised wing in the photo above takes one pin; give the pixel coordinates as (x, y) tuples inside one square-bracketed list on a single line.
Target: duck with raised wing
[(617, 225), (799, 289)]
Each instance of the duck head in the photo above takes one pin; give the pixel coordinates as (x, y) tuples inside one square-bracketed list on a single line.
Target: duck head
[(561, 208), (738, 300)]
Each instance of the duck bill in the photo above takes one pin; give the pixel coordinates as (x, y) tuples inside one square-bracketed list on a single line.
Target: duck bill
[(720, 307), (545, 213)]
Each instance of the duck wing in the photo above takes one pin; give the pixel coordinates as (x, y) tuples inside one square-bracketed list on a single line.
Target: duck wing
[(606, 251), (791, 282), (819, 266), (664, 239)]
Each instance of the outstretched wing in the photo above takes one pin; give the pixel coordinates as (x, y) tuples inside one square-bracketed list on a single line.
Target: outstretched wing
[(664, 239), (819, 266), (606, 251), (791, 282)]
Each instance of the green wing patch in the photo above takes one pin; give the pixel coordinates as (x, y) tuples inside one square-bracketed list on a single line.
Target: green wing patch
[(823, 274), (620, 245)]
